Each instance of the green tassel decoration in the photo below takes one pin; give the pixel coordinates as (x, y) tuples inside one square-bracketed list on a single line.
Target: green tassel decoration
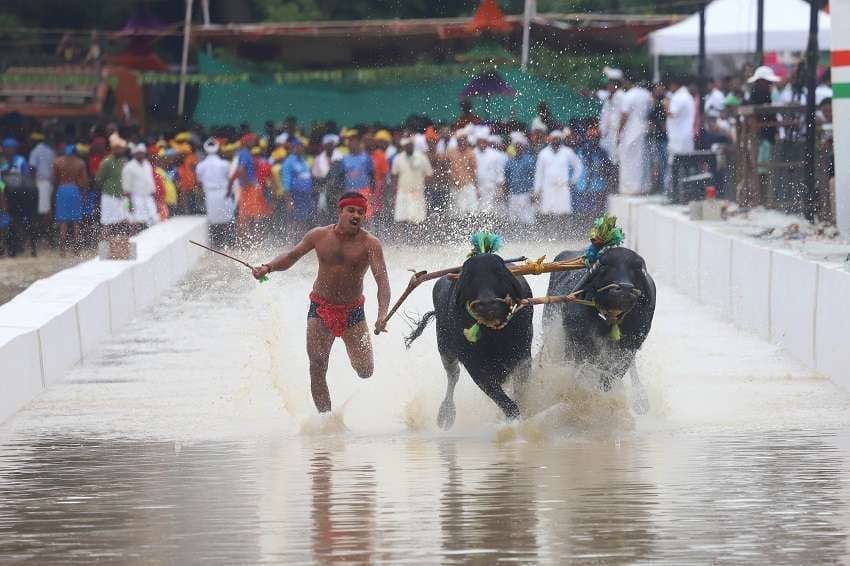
[(485, 243), (263, 279), (605, 232), (471, 333), (615, 332)]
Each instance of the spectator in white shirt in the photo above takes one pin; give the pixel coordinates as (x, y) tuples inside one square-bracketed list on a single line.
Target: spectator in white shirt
[(490, 176), (558, 168), (637, 102), (609, 117), (681, 113), (138, 183), (212, 174)]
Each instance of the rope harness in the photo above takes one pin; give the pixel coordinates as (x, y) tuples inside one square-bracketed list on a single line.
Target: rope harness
[(613, 317), (604, 235)]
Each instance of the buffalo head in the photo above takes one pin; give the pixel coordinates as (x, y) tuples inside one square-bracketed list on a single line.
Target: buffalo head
[(617, 281), (488, 288)]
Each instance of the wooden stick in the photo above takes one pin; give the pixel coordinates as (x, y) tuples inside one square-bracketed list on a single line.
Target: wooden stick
[(237, 260), (262, 279)]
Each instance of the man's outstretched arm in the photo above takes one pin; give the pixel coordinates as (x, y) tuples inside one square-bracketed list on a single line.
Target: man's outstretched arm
[(287, 259), (379, 272)]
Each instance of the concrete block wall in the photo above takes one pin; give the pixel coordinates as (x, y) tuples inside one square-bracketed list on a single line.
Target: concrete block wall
[(58, 321), (779, 295)]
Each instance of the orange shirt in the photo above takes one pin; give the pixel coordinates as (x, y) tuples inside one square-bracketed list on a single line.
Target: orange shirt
[(186, 173)]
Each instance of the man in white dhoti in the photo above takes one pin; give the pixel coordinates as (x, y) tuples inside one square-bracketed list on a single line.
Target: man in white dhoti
[(138, 183), (490, 174), (212, 174), (609, 116), (557, 169), (637, 102), (108, 180), (410, 171)]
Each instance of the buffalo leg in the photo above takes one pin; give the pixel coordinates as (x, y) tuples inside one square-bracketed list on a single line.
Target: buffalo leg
[(640, 400), (495, 392), (446, 416), (522, 373)]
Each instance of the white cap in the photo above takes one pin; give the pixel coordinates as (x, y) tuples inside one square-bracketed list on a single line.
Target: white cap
[(405, 140), (556, 135), (138, 148), (518, 138), (211, 146), (281, 139), (612, 73), (537, 125), (117, 141), (764, 73), (465, 131), (330, 138), (493, 138)]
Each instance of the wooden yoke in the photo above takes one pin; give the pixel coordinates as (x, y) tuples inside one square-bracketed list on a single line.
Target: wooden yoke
[(537, 267)]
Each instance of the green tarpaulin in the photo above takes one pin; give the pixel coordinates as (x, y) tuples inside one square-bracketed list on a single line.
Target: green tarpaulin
[(381, 100)]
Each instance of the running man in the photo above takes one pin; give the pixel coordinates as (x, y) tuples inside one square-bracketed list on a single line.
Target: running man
[(345, 251)]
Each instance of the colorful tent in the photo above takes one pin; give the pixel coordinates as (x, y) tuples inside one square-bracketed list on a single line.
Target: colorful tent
[(391, 101)]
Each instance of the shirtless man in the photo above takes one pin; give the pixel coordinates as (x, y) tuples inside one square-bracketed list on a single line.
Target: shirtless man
[(345, 251)]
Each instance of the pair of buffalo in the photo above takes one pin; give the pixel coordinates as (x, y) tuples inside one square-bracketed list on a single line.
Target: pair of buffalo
[(604, 335)]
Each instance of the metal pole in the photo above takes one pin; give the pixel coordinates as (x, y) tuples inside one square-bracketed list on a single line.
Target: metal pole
[(184, 62), (205, 8), (528, 13), (760, 32), (810, 204), (701, 59), (656, 68)]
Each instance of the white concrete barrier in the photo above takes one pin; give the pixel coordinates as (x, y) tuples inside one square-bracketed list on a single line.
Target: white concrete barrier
[(90, 297), (776, 293), (715, 273), (57, 321), (751, 268), (57, 329), (686, 252), (793, 284), (20, 359), (665, 261), (831, 349), (645, 230)]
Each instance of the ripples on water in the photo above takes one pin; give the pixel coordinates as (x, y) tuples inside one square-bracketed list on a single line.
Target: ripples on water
[(191, 437)]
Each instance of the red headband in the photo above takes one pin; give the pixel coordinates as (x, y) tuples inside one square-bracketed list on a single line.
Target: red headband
[(358, 201)]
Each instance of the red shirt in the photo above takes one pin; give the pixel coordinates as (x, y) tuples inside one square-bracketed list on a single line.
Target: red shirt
[(264, 171), (94, 163)]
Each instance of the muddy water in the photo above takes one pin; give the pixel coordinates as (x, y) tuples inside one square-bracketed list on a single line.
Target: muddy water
[(192, 437)]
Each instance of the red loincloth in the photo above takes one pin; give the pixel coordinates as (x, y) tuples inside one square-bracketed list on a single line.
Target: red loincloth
[(335, 316)]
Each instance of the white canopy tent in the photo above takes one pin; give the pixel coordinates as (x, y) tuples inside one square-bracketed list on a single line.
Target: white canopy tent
[(730, 27)]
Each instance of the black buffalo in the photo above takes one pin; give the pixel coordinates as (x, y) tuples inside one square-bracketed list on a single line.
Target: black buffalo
[(624, 293), (491, 291)]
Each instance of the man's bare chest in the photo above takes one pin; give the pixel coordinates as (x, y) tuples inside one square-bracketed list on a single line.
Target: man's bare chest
[(351, 255)]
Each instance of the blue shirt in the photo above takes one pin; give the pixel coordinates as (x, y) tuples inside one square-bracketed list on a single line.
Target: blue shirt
[(519, 173), (595, 161), (295, 174), (358, 171)]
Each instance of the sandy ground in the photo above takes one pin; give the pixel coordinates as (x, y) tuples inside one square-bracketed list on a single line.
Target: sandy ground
[(18, 273)]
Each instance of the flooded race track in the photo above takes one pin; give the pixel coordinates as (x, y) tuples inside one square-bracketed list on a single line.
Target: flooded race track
[(192, 437)]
